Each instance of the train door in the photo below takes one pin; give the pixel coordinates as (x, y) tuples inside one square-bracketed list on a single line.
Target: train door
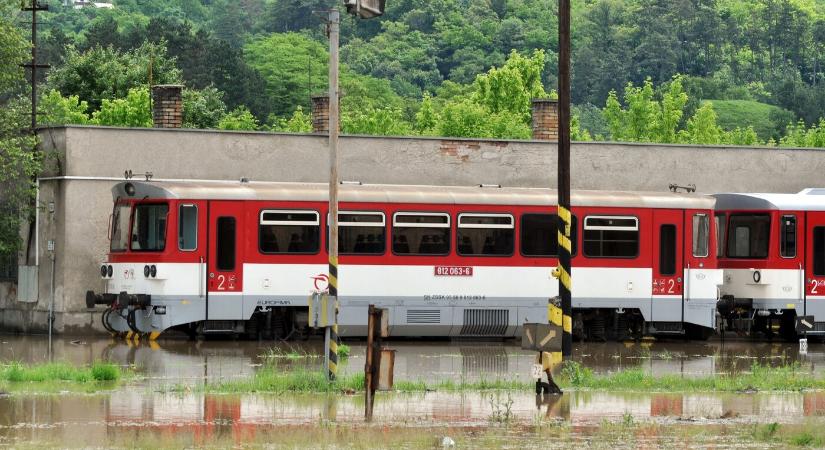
[(667, 266), (815, 265), (225, 261)]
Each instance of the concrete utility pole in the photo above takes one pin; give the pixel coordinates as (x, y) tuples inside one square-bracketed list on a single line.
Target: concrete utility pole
[(333, 22), (565, 217)]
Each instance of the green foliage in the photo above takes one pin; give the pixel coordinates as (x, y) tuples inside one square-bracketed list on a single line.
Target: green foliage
[(274, 379), (59, 110), (800, 136), (299, 122), (203, 108), (702, 128), (16, 372), (469, 119), (239, 119), (511, 88), (376, 122), (133, 111), (767, 121), (102, 73)]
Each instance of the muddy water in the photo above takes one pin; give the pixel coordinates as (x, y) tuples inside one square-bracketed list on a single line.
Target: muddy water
[(142, 414)]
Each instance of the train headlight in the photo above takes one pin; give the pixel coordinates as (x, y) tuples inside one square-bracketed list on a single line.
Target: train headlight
[(109, 271), (153, 271), (146, 271), (103, 271)]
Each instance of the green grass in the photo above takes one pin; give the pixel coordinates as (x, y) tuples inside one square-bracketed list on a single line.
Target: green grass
[(744, 113), (343, 351), (16, 376), (464, 385), (271, 379)]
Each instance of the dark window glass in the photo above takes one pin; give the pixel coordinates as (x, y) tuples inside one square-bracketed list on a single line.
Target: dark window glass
[(120, 228), (819, 251), (667, 250), (149, 228), (421, 234), (720, 234), (539, 235), (787, 241), (361, 234), (188, 227), (748, 236), (485, 235), (289, 232), (701, 235), (226, 243), (610, 237)]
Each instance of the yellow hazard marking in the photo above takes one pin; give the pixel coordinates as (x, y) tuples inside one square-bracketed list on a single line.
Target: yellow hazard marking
[(547, 338), (563, 277), (554, 315), (565, 215), (568, 324), (790, 306), (333, 367), (564, 242), (154, 335), (333, 261), (129, 335), (333, 346), (136, 337), (154, 345), (333, 281)]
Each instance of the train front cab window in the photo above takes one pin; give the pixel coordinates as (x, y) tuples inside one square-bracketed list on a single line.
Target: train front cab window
[(289, 232), (539, 235), (421, 233), (610, 237), (748, 235), (119, 233), (485, 234), (701, 235), (720, 234), (149, 227)]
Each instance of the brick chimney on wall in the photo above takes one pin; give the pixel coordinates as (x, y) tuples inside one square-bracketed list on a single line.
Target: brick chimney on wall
[(167, 106), (545, 119), (320, 114)]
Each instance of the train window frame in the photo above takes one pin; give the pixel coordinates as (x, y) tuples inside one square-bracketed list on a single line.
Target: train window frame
[(262, 223), (783, 236), (635, 227), (818, 261), (498, 215), (395, 224), (165, 230), (721, 236), (220, 244), (180, 228), (382, 224), (731, 232), (574, 235), (695, 226), (128, 233)]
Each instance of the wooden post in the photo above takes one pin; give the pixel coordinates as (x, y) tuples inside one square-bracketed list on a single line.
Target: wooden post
[(373, 364), (565, 217)]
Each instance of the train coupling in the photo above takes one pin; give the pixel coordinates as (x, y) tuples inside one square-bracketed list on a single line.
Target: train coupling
[(118, 301), (93, 299)]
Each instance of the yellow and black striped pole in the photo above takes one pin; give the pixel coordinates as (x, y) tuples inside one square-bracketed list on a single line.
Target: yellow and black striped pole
[(332, 328), (565, 218)]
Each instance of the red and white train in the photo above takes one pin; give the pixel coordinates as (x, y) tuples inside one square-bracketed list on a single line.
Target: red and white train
[(772, 252), (244, 257)]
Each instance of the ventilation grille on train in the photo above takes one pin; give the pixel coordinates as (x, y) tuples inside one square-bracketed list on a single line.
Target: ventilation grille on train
[(423, 316), (485, 322)]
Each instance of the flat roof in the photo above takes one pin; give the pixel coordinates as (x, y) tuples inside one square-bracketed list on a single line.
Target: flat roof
[(383, 193), (812, 199)]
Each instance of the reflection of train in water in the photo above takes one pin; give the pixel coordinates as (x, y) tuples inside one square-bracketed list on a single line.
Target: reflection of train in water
[(447, 261)]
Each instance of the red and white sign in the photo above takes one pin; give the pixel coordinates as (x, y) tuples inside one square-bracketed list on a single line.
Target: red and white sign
[(453, 271)]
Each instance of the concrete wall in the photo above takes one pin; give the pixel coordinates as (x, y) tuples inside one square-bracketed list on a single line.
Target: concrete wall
[(82, 207)]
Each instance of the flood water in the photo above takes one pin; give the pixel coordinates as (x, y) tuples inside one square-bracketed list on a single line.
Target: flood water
[(145, 409)]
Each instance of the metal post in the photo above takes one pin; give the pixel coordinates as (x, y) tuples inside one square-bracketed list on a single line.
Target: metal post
[(33, 65), (368, 366), (565, 217), (334, 25)]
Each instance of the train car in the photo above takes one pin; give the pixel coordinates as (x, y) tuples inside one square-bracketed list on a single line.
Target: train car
[(772, 252), (447, 261)]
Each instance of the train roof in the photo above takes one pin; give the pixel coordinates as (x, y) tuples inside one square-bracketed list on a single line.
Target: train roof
[(812, 199), (377, 193)]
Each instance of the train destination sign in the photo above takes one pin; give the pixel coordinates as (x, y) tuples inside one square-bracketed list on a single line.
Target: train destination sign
[(453, 271)]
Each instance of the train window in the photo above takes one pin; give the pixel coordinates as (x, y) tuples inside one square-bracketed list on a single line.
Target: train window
[(120, 228), (188, 228), (289, 232), (667, 250), (748, 236), (485, 234), (701, 235), (361, 233), (539, 235), (421, 233), (787, 237), (149, 228), (720, 234), (819, 251), (611, 237), (226, 243)]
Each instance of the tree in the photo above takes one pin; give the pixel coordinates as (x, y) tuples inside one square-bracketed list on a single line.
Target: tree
[(299, 122), (59, 110), (132, 111), (203, 108), (239, 119), (702, 128), (19, 162)]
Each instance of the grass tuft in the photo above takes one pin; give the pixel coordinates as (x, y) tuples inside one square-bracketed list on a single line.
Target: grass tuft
[(274, 380), (16, 372)]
